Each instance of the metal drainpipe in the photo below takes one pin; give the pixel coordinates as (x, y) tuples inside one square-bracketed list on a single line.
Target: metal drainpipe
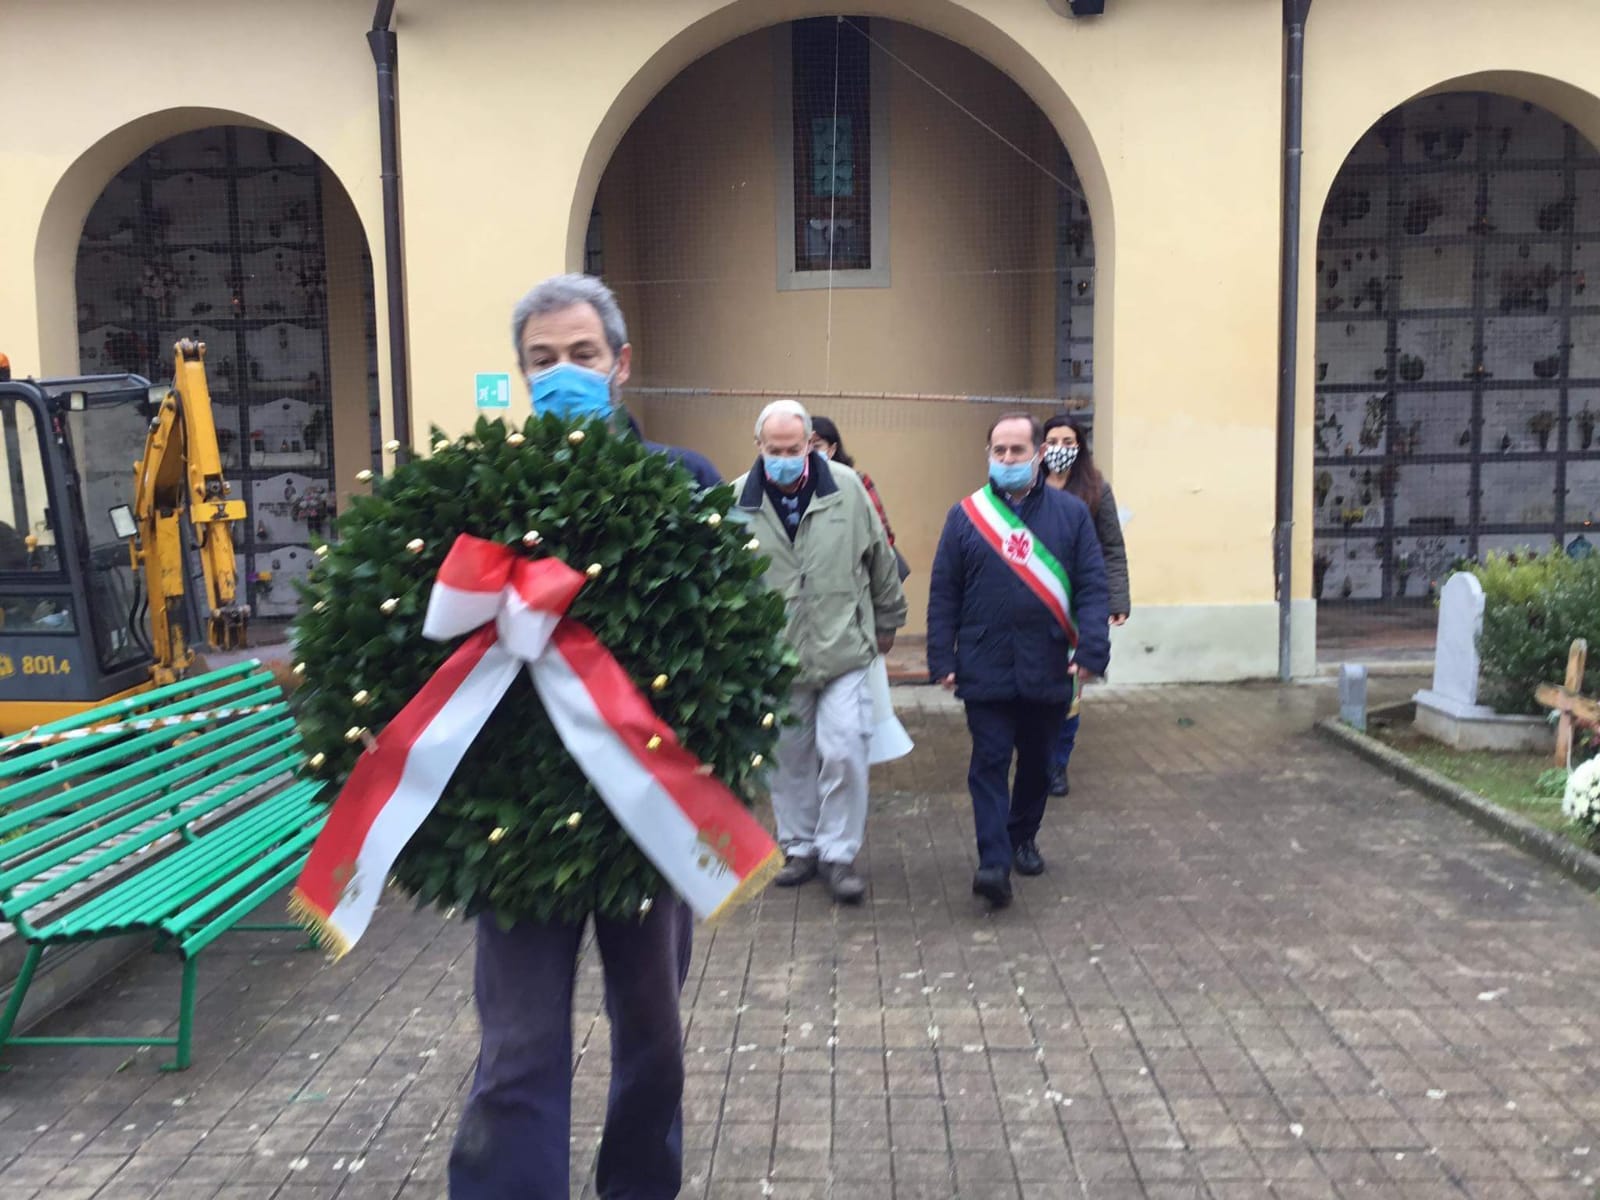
[(1294, 21), (381, 40)]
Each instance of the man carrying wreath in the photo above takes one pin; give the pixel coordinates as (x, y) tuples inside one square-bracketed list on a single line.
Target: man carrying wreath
[(513, 1139), (1016, 620)]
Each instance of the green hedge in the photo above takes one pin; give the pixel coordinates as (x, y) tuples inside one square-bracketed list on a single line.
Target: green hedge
[(1533, 607)]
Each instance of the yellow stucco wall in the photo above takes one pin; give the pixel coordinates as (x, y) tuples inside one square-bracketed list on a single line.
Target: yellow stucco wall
[(1170, 109), (1190, 374), (687, 209), (139, 75)]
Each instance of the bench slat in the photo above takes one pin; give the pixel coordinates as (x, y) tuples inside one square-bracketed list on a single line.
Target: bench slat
[(56, 764), (188, 872), (121, 708), (298, 847), (224, 921), (22, 863), (281, 757), (183, 760)]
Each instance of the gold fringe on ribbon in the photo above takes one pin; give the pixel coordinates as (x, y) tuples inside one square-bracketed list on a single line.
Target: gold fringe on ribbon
[(316, 923), (750, 886)]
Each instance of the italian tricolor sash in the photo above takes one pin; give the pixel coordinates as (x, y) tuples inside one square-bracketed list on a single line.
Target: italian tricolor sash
[(1020, 550)]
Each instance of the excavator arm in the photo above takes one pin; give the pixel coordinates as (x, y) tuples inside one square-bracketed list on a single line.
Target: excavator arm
[(181, 471)]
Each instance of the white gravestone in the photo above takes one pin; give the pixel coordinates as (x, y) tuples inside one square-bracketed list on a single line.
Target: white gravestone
[(1449, 711), (1455, 655)]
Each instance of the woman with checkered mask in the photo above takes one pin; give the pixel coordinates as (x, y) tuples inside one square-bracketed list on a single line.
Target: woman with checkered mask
[(1070, 466)]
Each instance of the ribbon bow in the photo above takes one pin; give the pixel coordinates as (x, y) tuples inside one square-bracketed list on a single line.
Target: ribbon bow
[(699, 836)]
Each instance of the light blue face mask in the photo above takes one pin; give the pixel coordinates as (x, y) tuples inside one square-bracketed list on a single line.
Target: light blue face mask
[(1012, 477), (571, 392), (783, 471)]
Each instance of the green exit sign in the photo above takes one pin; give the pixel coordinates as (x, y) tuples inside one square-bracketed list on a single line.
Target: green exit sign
[(494, 391)]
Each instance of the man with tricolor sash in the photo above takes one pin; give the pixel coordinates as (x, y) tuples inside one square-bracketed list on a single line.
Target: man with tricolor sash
[(1017, 620)]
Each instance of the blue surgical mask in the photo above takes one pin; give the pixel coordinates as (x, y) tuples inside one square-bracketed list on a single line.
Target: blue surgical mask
[(783, 471), (1012, 477), (571, 392)]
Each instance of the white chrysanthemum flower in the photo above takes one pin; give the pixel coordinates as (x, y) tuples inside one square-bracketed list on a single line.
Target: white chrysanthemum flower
[(1581, 800)]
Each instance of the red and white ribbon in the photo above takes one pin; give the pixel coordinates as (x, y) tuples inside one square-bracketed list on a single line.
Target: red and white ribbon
[(709, 847)]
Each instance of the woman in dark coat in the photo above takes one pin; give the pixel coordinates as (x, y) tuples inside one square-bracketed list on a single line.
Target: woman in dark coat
[(825, 440), (1071, 468)]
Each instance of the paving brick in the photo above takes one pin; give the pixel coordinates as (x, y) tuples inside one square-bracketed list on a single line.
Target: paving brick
[(1253, 968)]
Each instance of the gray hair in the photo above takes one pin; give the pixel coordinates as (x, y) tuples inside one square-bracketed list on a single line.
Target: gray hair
[(565, 291), (784, 408)]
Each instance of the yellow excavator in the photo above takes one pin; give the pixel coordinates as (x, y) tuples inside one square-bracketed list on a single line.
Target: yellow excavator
[(98, 578)]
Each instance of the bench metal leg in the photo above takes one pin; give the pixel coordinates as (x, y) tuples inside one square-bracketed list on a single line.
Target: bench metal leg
[(19, 992), (185, 1018)]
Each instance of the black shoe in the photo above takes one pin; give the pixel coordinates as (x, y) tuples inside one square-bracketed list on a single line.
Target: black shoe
[(994, 885), (797, 869), (847, 887), (1027, 859), (1058, 782)]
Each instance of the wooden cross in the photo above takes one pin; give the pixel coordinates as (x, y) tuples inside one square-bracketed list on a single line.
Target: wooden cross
[(1575, 708)]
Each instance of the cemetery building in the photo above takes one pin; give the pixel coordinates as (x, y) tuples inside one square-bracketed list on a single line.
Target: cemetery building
[(912, 215)]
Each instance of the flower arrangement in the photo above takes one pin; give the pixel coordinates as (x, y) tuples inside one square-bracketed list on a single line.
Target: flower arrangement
[(1580, 803)]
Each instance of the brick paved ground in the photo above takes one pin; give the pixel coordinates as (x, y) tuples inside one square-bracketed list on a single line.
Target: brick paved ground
[(1256, 967)]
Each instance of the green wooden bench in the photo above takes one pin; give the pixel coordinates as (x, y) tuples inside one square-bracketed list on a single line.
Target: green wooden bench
[(176, 813)]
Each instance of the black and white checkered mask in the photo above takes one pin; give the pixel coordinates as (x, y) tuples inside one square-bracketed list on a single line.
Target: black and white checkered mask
[(1058, 460)]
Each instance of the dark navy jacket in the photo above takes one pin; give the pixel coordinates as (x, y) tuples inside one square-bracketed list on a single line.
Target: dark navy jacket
[(691, 461), (991, 631), (697, 464)]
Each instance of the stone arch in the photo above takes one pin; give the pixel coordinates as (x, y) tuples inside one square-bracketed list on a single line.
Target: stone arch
[(1575, 105), (950, 19), (63, 215), (1469, 397), (251, 244)]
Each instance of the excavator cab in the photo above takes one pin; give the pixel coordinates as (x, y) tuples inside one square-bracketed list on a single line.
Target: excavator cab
[(101, 567), (74, 627)]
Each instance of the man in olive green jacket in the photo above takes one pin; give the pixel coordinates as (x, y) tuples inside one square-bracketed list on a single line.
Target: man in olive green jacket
[(832, 561)]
